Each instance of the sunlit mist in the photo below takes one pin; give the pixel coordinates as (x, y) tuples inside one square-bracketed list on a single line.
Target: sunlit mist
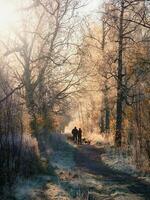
[(8, 14)]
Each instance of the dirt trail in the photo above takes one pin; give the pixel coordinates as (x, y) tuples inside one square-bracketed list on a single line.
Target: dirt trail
[(82, 175), (107, 183)]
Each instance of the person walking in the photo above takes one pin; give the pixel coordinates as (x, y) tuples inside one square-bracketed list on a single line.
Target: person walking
[(75, 134), (80, 136)]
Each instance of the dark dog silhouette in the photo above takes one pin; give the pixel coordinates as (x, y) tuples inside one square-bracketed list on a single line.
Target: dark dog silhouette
[(84, 140)]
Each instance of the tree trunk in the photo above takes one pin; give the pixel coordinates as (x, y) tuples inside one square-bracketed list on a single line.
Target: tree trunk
[(102, 124), (107, 119), (107, 108), (119, 112)]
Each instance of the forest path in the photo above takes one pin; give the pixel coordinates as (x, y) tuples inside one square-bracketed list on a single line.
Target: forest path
[(104, 182), (80, 174)]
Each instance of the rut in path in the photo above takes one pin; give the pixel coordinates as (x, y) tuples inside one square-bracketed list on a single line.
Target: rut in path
[(88, 159)]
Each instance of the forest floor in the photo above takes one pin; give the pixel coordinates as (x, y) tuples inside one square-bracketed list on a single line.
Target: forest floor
[(81, 173)]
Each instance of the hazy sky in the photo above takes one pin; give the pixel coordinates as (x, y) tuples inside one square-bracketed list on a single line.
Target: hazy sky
[(92, 5)]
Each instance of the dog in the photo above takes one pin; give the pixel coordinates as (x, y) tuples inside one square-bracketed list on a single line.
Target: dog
[(84, 140)]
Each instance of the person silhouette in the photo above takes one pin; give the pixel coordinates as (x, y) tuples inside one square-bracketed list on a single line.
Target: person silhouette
[(80, 136), (75, 134)]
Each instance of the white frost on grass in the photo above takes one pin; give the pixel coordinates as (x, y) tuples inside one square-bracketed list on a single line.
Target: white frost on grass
[(63, 160), (122, 196), (122, 161), (63, 155), (41, 187), (26, 189), (119, 161), (115, 159)]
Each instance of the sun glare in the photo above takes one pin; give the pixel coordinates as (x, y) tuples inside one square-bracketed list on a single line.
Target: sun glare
[(8, 16)]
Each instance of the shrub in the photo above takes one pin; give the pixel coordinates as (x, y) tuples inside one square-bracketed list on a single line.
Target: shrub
[(19, 155)]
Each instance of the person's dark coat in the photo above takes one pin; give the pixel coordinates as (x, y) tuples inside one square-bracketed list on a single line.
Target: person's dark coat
[(80, 136), (75, 134)]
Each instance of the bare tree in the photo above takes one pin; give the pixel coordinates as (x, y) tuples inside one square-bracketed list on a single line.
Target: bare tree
[(47, 53)]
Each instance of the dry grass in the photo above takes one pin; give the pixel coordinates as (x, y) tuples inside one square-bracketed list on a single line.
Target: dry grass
[(104, 138), (19, 156)]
